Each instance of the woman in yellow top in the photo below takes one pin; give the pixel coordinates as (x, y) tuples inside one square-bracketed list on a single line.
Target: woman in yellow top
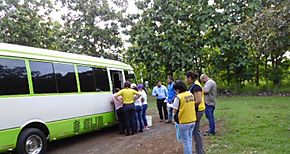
[(184, 108), (128, 107)]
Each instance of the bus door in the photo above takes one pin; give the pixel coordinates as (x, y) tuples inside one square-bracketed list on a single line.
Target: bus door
[(117, 78)]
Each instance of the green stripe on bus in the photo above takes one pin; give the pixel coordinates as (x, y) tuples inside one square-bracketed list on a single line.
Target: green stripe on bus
[(53, 94), (80, 125), (77, 78), (73, 59), (62, 129), (29, 77), (8, 139)]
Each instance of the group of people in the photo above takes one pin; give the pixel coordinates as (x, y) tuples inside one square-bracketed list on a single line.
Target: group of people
[(189, 105), (131, 105)]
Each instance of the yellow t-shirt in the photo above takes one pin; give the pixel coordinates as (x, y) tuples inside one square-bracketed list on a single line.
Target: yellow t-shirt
[(187, 112), (127, 95), (201, 106)]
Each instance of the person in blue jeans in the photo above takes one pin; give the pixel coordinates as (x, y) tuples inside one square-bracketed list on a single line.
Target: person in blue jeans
[(185, 115), (210, 91), (170, 98), (144, 104), (138, 109)]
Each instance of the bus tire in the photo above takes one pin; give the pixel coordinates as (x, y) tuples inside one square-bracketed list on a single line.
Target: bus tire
[(31, 140)]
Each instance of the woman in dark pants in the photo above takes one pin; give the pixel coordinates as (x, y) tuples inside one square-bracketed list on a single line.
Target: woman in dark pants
[(129, 109)]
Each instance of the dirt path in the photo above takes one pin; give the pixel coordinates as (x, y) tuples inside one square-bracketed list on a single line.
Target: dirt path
[(160, 138)]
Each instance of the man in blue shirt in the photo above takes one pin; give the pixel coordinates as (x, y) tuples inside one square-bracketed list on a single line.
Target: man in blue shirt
[(160, 92), (170, 98)]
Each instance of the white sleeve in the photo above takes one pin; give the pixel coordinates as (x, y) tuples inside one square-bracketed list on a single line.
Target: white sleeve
[(144, 95), (176, 103)]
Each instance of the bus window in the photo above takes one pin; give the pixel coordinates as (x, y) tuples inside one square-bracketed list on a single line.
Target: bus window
[(13, 77), (43, 77), (87, 80), (102, 81), (130, 76), (65, 77)]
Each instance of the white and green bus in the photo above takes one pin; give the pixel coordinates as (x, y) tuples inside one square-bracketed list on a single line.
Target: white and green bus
[(48, 95)]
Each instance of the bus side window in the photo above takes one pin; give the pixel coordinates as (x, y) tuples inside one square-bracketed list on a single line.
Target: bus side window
[(102, 80), (43, 77), (87, 79), (13, 77), (65, 77)]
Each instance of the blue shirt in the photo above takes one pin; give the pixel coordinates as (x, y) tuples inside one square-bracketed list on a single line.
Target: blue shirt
[(161, 91), (171, 92)]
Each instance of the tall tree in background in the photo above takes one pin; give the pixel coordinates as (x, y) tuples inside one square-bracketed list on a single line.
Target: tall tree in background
[(168, 36), (268, 33), (28, 23), (92, 27)]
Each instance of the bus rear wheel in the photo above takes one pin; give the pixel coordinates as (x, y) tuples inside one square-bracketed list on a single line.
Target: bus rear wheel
[(31, 141)]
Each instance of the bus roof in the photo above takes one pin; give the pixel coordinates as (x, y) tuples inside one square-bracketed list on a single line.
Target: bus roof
[(50, 55)]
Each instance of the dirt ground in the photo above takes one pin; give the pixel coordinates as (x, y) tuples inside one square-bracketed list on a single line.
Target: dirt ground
[(160, 138)]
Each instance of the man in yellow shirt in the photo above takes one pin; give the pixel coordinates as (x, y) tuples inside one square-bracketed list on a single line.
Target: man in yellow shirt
[(128, 107), (184, 108)]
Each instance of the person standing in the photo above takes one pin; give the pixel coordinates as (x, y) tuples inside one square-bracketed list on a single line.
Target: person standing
[(138, 109), (160, 92), (170, 98), (118, 104), (210, 92), (196, 89), (128, 106), (184, 108), (144, 104)]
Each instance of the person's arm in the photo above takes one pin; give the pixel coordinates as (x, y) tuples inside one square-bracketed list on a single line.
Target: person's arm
[(154, 92), (166, 91), (117, 94), (197, 91), (207, 88), (198, 97), (137, 94), (175, 105)]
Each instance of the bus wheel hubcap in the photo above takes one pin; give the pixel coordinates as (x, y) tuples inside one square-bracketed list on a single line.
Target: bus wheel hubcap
[(33, 144)]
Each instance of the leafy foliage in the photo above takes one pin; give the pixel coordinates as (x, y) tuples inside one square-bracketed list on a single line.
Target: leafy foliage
[(21, 23), (92, 27)]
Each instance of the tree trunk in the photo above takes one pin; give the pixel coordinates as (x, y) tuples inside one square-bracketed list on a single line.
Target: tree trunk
[(257, 75)]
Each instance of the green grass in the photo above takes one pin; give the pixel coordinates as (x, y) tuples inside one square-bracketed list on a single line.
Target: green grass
[(252, 125)]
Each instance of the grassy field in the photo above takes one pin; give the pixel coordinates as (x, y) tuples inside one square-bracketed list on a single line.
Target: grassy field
[(252, 125)]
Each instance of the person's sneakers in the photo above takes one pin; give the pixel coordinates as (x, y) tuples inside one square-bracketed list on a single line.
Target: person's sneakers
[(168, 121), (146, 128), (140, 130), (160, 120), (207, 133)]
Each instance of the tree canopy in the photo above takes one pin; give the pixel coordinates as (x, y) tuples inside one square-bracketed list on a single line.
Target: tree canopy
[(234, 41)]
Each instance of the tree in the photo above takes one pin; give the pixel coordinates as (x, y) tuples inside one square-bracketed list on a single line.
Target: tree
[(22, 23), (268, 33), (168, 36), (92, 27)]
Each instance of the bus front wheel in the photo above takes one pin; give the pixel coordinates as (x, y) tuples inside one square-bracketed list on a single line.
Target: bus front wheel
[(31, 141)]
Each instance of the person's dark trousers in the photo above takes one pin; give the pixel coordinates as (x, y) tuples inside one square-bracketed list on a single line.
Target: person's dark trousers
[(162, 105), (139, 117), (129, 111), (120, 115), (144, 108), (197, 135), (209, 114)]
